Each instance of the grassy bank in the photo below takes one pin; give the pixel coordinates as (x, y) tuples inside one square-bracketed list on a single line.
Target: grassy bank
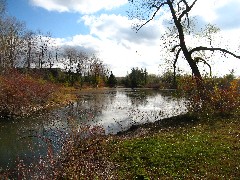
[(186, 149), (203, 149)]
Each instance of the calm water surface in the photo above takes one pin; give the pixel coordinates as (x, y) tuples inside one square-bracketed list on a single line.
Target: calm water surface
[(113, 110)]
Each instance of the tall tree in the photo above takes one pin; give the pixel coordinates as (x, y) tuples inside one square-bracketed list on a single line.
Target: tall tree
[(137, 78), (43, 47), (30, 47), (97, 70), (11, 41), (147, 10), (112, 81), (70, 59)]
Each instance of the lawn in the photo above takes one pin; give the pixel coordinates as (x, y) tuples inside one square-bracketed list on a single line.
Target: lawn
[(203, 149)]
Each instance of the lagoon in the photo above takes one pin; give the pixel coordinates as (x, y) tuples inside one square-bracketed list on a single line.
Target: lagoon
[(111, 110)]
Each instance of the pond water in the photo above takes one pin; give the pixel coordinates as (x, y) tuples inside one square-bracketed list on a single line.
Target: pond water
[(113, 110)]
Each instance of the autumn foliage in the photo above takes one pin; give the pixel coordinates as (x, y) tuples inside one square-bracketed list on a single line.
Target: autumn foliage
[(221, 96), (21, 94)]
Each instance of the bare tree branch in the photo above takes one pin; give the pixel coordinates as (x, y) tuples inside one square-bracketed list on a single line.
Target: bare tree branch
[(176, 57), (202, 48), (185, 2), (174, 48), (188, 21), (187, 10), (174, 66), (154, 14), (178, 4), (198, 59)]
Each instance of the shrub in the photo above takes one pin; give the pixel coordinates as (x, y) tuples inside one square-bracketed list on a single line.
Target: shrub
[(21, 94), (219, 96), (225, 100)]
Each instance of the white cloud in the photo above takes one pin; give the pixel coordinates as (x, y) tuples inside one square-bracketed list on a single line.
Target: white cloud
[(119, 46), (81, 6), (207, 9), (112, 37), (120, 57), (223, 13), (229, 15), (119, 29)]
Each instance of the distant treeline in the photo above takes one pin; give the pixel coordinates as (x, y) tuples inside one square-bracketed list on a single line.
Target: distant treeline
[(140, 78), (68, 78)]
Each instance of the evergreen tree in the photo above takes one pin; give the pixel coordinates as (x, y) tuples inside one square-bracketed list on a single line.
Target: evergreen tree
[(137, 78), (112, 81)]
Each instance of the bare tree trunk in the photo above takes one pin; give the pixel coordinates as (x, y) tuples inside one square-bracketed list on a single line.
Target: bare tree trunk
[(29, 57), (186, 53)]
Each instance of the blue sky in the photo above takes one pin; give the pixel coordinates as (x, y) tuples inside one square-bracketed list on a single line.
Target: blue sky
[(61, 25), (103, 27)]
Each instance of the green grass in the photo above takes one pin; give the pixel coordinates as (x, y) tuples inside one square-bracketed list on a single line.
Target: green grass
[(203, 150)]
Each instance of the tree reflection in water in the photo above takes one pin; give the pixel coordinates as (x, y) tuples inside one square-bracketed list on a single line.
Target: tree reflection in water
[(112, 110)]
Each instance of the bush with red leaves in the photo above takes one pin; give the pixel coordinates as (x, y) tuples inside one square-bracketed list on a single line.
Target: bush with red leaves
[(21, 94)]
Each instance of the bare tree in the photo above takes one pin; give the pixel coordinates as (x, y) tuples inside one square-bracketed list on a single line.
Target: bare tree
[(70, 58), (43, 45), (11, 42), (53, 56), (69, 61), (147, 10), (30, 48)]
